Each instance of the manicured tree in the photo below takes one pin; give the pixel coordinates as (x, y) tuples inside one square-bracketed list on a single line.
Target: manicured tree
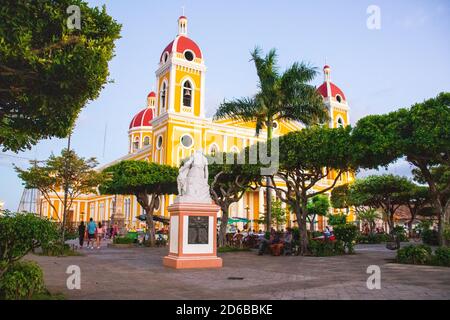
[(147, 181), (384, 192), (228, 183), (421, 134), (307, 157), (416, 199), (21, 233), (340, 197), (317, 206), (281, 96), (49, 72), (344, 196), (68, 169), (425, 133)]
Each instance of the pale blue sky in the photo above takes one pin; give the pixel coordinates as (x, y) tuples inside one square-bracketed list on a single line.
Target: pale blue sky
[(406, 61)]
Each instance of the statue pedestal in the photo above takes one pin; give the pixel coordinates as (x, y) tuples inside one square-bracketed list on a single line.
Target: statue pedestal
[(193, 236)]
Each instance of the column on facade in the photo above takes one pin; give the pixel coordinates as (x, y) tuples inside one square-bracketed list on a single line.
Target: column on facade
[(261, 200)]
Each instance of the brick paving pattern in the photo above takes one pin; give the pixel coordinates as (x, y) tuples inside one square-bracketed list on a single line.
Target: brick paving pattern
[(138, 273)]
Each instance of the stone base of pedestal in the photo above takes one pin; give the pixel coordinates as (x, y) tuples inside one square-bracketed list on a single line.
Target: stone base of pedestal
[(193, 236), (192, 262)]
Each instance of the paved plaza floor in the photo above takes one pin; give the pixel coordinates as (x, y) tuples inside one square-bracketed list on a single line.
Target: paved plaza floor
[(138, 273)]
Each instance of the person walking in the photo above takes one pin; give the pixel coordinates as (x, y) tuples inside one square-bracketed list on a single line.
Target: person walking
[(115, 230), (81, 231), (91, 228), (100, 234)]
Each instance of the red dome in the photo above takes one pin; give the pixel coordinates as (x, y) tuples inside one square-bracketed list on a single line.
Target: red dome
[(182, 17), (181, 44), (142, 119), (151, 94), (334, 90), (326, 67)]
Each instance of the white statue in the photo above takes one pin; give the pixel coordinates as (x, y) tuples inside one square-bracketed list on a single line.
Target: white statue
[(192, 180)]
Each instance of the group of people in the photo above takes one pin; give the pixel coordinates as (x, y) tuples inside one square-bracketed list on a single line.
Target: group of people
[(95, 233), (277, 242)]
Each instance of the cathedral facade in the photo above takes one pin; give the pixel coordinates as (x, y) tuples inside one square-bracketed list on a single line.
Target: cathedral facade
[(173, 125)]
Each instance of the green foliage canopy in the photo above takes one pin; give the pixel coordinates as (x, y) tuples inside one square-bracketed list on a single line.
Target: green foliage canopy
[(136, 177), (49, 72), (67, 169), (20, 233)]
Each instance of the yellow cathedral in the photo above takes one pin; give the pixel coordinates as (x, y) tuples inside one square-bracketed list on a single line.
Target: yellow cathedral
[(173, 126)]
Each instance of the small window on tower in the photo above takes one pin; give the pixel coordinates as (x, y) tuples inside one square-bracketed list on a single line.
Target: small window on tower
[(146, 141), (136, 144), (165, 56), (189, 55), (163, 97), (159, 142), (213, 150), (339, 98), (340, 123), (187, 94)]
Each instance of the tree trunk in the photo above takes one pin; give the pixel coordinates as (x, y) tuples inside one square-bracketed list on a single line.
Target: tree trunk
[(410, 229), (311, 224), (148, 206), (390, 221), (304, 241), (66, 190), (268, 205), (223, 226), (435, 197), (372, 226), (151, 233), (269, 181)]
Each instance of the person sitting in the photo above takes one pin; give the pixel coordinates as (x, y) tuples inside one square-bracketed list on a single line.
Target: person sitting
[(327, 232), (277, 245), (288, 242), (264, 242), (245, 236)]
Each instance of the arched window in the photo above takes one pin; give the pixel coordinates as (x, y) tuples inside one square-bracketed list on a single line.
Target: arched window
[(339, 98), (136, 144), (213, 150), (92, 210), (157, 204), (234, 149), (340, 123), (146, 141), (127, 208), (101, 212), (187, 94), (163, 95), (112, 206)]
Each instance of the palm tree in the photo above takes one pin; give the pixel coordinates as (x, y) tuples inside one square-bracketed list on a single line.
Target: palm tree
[(370, 217), (281, 96)]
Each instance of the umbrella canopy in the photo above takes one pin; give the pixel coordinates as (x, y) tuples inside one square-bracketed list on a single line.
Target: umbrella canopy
[(164, 220), (235, 220)]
